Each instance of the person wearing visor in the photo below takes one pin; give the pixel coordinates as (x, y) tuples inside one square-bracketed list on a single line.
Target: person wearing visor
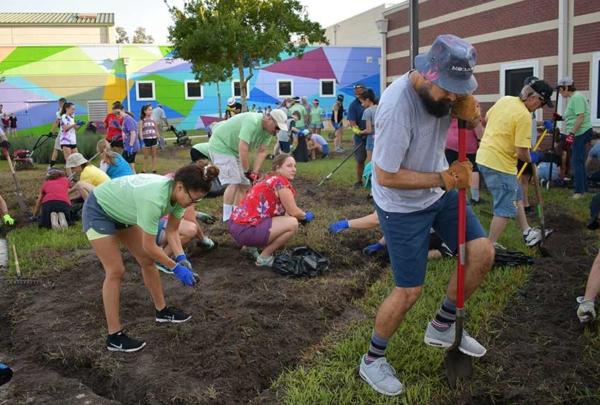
[(415, 190), (506, 139), (230, 146)]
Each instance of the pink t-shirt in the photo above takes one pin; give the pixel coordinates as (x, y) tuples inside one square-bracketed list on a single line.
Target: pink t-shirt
[(452, 139), (56, 190)]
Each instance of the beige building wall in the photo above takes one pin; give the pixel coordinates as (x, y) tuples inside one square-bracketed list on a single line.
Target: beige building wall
[(359, 30), (49, 35)]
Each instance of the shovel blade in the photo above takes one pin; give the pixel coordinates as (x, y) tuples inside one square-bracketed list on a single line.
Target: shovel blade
[(458, 365)]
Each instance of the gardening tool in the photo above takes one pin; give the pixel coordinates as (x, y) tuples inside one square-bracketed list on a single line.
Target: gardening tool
[(554, 121), (339, 165), (540, 211), (535, 148), (24, 281), (24, 208), (457, 363)]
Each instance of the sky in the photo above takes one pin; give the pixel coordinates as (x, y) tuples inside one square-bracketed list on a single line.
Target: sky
[(153, 14)]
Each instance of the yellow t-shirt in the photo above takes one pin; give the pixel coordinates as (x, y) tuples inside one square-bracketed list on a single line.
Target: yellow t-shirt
[(508, 127), (92, 175)]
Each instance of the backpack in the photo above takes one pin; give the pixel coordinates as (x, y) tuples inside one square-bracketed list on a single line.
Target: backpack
[(300, 262)]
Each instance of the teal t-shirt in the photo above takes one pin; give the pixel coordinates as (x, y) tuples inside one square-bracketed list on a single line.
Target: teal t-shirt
[(302, 111), (141, 199), (247, 127), (578, 105), (315, 115)]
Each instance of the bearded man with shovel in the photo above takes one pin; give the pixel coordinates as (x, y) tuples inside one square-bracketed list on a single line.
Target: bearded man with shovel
[(415, 190)]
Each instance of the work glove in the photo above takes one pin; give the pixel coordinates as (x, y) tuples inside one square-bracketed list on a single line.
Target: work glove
[(252, 176), (586, 311), (458, 175), (356, 130), (373, 248), (339, 226), (557, 117), (182, 259), (570, 138), (466, 108), (206, 218), (536, 157), (185, 275), (308, 216), (8, 220), (79, 123), (548, 125)]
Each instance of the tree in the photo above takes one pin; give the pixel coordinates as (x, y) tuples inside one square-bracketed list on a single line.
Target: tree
[(238, 34), (122, 37), (140, 36)]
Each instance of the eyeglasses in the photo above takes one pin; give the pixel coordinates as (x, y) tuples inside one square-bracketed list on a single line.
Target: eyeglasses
[(193, 201)]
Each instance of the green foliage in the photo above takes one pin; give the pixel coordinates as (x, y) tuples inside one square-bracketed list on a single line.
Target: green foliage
[(86, 144)]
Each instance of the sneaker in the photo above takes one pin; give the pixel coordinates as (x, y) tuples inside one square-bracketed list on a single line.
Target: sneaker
[(577, 196), (251, 251), (162, 268), (262, 261), (340, 150), (586, 312), (380, 376), (120, 342), (445, 339), (54, 221), (498, 246), (62, 220), (173, 315)]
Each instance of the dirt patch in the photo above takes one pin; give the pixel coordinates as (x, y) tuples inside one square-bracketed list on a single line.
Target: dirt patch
[(248, 323), (537, 348)]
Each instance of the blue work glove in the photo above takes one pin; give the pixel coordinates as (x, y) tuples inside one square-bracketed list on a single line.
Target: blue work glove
[(339, 226), (308, 216), (185, 275), (182, 259), (549, 125), (536, 157), (79, 122), (371, 249)]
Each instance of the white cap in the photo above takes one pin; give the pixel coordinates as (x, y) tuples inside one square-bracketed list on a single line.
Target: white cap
[(280, 118), (74, 160), (230, 101), (566, 81)]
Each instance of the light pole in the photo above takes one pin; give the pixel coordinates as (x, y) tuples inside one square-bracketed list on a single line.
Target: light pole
[(125, 64), (382, 27)]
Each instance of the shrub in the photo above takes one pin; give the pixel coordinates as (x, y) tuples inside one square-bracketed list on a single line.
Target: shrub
[(86, 144)]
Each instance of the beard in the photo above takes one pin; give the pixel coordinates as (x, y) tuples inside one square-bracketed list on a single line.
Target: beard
[(438, 109)]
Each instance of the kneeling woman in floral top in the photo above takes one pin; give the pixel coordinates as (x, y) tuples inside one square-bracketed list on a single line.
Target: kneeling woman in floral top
[(268, 216)]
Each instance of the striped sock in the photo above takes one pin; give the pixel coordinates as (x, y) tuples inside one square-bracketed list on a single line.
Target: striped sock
[(376, 348), (446, 315)]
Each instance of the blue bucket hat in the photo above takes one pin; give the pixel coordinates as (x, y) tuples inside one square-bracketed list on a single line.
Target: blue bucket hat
[(449, 64)]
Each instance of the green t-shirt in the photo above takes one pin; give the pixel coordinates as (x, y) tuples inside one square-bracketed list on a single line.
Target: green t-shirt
[(140, 199), (578, 105), (315, 115), (202, 148), (246, 127), (300, 108)]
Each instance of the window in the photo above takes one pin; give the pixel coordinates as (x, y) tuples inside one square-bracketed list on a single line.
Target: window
[(512, 76), (144, 90), (97, 110), (193, 90), (327, 88), (236, 90), (595, 93), (285, 88)]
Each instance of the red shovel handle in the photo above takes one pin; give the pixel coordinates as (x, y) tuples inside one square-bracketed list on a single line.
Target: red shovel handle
[(462, 223)]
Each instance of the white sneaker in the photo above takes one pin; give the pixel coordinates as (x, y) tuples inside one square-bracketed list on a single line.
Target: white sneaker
[(445, 339), (380, 376), (577, 196), (54, 221), (62, 220)]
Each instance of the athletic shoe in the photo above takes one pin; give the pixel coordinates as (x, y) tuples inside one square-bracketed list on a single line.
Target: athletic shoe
[(251, 251), (173, 315), (340, 150), (380, 376), (445, 339), (162, 268), (120, 342), (54, 221), (577, 196), (262, 261), (62, 220), (585, 311)]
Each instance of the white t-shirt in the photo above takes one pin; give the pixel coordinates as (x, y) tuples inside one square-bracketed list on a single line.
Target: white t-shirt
[(69, 137), (159, 116), (318, 139)]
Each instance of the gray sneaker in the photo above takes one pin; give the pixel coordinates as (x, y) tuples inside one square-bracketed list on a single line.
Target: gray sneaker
[(468, 345), (262, 261), (380, 376), (251, 251)]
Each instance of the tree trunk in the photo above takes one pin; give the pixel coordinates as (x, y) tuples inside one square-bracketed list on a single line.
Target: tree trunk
[(219, 100), (242, 87)]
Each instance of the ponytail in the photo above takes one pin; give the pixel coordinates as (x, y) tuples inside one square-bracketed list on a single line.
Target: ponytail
[(197, 176)]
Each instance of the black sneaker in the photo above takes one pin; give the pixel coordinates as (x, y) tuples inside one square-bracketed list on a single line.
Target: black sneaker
[(120, 342), (170, 314)]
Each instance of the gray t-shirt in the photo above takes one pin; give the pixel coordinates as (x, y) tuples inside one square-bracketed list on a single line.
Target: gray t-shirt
[(369, 115), (408, 137)]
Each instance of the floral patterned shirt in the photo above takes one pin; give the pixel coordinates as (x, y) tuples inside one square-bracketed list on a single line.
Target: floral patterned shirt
[(262, 201)]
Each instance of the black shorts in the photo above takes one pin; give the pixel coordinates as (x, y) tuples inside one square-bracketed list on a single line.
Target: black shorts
[(70, 146), (116, 143), (129, 157), (527, 171), (196, 155), (452, 155), (150, 142)]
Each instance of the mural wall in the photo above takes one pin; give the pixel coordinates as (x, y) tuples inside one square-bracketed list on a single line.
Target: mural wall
[(36, 76)]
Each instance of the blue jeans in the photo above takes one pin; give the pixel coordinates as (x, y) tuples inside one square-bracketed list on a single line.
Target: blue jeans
[(505, 191), (578, 161)]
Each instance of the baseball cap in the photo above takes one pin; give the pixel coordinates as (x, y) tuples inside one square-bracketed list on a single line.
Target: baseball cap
[(280, 118), (449, 64), (296, 98), (74, 160), (359, 86), (565, 81)]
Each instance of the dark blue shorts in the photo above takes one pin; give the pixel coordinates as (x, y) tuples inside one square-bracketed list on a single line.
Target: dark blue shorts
[(407, 236)]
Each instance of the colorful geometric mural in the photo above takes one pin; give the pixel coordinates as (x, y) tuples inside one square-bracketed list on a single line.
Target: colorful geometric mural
[(37, 76)]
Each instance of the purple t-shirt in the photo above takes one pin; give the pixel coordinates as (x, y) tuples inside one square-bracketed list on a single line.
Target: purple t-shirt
[(129, 126)]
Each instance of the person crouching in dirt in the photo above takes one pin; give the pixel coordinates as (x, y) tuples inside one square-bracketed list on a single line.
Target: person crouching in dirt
[(230, 146), (127, 211), (53, 205), (507, 137), (111, 162), (89, 175), (6, 218), (268, 216), (414, 190)]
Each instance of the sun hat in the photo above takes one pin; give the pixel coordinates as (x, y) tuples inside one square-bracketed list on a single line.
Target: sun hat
[(74, 160), (280, 118), (449, 64), (542, 88)]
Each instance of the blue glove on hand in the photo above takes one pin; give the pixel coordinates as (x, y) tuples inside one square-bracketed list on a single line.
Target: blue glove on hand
[(372, 249), (182, 259), (339, 226), (549, 125), (308, 216), (185, 275), (79, 122), (536, 157)]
